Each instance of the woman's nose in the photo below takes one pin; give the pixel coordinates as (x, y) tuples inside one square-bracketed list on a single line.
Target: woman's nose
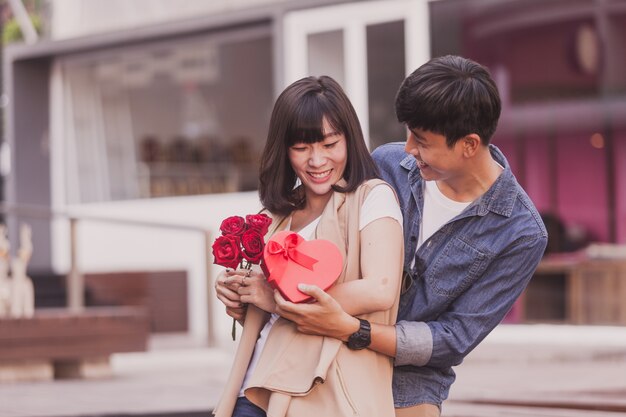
[(317, 158)]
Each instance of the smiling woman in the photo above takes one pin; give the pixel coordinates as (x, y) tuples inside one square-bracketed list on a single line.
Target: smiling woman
[(317, 179)]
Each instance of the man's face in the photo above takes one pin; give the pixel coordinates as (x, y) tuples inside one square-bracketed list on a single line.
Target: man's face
[(435, 160)]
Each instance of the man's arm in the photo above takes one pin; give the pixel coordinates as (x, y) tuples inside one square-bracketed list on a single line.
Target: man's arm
[(474, 314), (452, 336), (377, 290), (325, 317)]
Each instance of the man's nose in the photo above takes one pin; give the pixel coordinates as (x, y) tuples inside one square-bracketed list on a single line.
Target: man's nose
[(410, 146)]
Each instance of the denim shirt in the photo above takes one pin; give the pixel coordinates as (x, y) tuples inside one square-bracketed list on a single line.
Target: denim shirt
[(466, 276)]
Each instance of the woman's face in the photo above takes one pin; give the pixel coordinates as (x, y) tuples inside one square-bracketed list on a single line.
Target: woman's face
[(321, 164)]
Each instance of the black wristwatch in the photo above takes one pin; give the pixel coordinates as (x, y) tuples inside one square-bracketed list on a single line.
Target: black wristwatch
[(362, 337)]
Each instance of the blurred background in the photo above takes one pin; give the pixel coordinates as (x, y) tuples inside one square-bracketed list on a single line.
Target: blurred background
[(131, 128)]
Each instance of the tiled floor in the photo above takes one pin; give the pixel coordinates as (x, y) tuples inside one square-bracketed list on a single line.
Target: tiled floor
[(552, 371)]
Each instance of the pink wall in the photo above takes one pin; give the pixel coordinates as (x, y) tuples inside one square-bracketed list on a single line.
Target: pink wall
[(581, 184), (536, 181), (572, 182), (619, 155)]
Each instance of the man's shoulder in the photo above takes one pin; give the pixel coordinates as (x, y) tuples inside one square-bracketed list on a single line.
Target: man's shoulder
[(389, 152), (520, 216), (526, 210)]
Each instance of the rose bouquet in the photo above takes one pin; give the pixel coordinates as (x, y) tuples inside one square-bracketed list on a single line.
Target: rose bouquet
[(241, 243)]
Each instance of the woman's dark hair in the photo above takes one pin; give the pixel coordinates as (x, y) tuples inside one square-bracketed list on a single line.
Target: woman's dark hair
[(451, 96), (298, 117)]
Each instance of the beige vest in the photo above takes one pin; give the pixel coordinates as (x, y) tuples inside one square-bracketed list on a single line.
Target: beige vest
[(303, 375)]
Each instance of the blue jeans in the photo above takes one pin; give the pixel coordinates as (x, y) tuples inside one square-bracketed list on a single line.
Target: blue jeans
[(244, 408)]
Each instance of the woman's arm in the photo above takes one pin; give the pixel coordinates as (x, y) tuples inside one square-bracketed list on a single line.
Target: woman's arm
[(381, 266), (377, 290)]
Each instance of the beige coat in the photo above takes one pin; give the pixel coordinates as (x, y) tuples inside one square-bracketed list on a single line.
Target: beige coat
[(303, 375)]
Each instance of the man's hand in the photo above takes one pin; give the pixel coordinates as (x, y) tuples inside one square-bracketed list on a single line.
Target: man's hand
[(323, 316)]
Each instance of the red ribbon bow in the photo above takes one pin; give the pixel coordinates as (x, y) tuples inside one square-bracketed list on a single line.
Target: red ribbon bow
[(290, 251)]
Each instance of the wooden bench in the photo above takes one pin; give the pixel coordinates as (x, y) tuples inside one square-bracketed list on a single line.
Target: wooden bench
[(594, 289), (57, 343), (162, 293)]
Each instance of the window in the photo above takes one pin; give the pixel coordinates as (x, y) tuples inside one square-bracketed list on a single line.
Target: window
[(182, 117)]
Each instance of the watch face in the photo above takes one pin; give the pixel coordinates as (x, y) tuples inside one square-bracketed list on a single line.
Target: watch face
[(360, 339)]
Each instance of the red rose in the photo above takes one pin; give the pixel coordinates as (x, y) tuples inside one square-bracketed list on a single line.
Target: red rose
[(253, 244), (226, 251), (233, 226), (260, 222)]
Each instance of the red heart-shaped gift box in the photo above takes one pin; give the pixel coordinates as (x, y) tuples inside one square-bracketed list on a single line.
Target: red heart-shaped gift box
[(289, 260)]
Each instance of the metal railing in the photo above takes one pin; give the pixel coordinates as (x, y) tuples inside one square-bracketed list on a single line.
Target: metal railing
[(74, 282)]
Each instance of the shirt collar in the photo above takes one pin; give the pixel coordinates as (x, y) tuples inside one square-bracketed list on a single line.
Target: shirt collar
[(409, 162), (499, 198)]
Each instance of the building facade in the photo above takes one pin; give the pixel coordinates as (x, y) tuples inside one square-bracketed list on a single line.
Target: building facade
[(154, 113)]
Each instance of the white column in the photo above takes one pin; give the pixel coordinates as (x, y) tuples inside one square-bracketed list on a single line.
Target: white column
[(355, 49)]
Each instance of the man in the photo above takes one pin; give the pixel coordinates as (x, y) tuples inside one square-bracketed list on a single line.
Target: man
[(473, 238)]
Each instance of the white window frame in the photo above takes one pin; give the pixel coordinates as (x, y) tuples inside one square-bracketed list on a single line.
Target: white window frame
[(353, 19)]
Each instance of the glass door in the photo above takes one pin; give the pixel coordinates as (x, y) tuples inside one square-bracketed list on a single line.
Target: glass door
[(368, 47)]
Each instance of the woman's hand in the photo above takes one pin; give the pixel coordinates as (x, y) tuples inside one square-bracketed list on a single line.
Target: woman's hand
[(254, 289), (226, 291)]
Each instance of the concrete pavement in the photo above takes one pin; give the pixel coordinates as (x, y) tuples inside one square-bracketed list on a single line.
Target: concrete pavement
[(519, 370), (543, 370)]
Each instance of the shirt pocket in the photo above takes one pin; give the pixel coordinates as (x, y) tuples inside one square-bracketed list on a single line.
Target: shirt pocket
[(455, 268)]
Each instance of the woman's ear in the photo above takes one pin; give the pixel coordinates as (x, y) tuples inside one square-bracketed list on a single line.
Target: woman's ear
[(471, 143)]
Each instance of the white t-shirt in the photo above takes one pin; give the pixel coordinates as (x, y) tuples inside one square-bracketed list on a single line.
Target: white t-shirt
[(379, 203), (438, 210)]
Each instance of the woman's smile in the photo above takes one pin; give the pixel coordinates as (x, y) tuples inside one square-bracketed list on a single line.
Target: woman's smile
[(320, 177)]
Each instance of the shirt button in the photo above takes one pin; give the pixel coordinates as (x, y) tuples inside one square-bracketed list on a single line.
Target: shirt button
[(413, 238), (428, 244)]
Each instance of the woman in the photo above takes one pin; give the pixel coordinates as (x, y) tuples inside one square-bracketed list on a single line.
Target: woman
[(318, 179)]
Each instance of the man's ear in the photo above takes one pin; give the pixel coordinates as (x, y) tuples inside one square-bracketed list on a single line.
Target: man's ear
[(471, 143)]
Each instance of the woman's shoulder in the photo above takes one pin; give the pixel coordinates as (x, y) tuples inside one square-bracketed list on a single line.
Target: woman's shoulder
[(381, 187), (370, 184)]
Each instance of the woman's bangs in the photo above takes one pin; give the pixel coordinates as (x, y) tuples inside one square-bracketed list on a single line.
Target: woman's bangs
[(307, 123)]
